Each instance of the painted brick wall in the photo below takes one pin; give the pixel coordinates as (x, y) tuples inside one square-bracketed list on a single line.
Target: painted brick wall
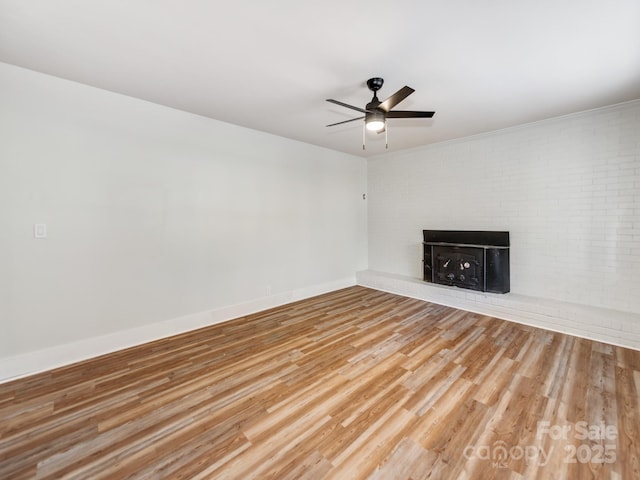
[(568, 190)]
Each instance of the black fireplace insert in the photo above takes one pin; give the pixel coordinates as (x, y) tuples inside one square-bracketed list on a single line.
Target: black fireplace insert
[(477, 260)]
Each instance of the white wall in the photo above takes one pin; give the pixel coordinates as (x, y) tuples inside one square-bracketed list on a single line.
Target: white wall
[(154, 214), (568, 190)]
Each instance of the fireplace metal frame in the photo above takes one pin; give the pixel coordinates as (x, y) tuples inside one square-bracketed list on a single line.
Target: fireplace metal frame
[(495, 271)]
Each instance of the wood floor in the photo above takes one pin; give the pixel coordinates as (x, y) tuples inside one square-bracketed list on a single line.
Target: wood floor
[(352, 384)]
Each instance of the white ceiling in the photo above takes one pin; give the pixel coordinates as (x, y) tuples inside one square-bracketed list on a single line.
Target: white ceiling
[(481, 65)]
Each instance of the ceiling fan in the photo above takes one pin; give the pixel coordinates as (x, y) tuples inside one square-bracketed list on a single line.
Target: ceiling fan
[(377, 112)]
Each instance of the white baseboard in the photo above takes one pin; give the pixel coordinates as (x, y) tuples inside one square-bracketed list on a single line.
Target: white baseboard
[(600, 324), (57, 356), (604, 325)]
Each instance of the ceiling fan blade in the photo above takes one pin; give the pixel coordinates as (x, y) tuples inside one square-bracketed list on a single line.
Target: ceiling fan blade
[(396, 98), (409, 114), (346, 105), (346, 121)]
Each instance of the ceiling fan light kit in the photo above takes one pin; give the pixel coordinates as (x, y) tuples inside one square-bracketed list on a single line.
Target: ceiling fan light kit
[(377, 112), (374, 121)]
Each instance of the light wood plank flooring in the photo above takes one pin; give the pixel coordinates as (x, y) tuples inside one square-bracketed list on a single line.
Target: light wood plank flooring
[(356, 383)]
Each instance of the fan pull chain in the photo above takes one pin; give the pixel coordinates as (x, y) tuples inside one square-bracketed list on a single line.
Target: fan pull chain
[(386, 136), (363, 134)]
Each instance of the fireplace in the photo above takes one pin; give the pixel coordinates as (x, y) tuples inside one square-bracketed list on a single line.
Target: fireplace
[(476, 260)]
